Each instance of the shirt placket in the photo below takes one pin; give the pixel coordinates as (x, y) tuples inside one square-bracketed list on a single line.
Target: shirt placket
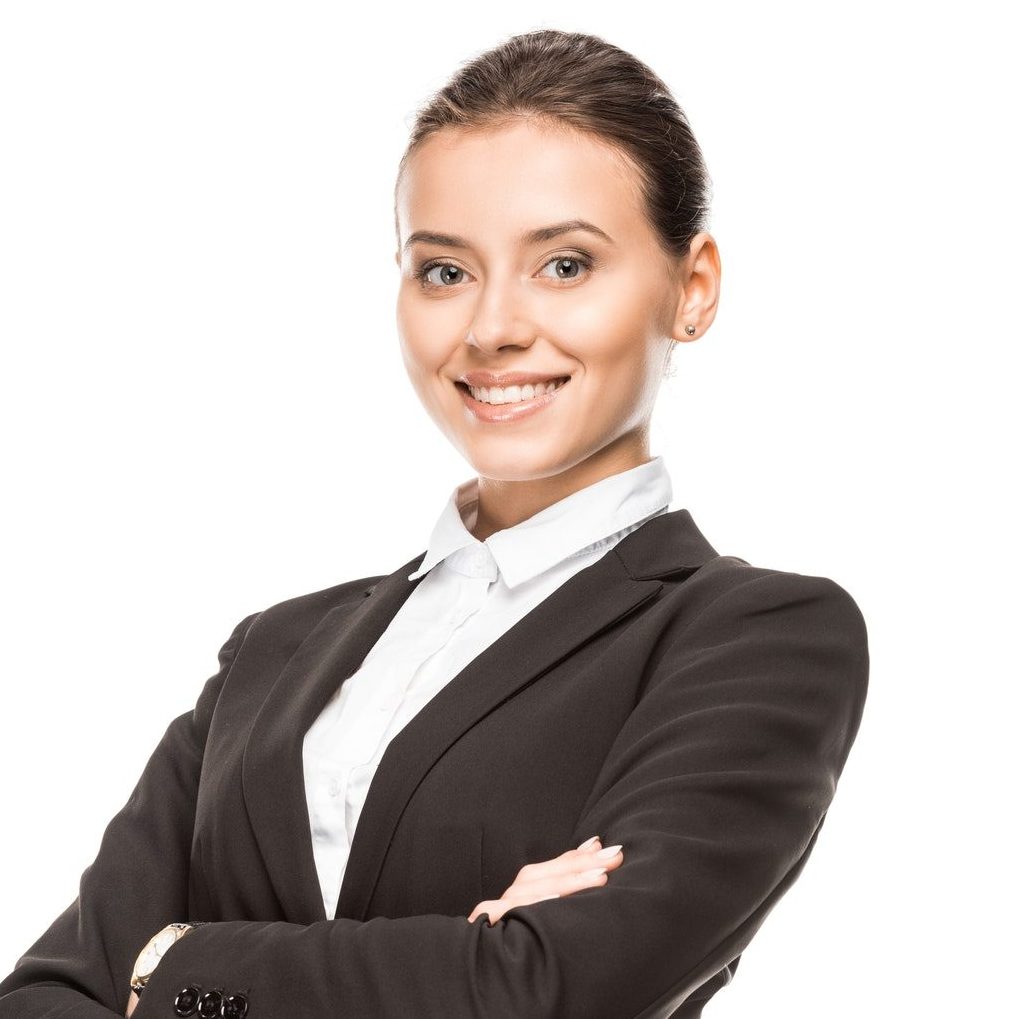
[(469, 595)]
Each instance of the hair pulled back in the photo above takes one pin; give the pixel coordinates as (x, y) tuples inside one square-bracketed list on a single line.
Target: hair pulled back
[(580, 81)]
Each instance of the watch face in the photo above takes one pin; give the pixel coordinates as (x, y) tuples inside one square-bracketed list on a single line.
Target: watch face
[(153, 951)]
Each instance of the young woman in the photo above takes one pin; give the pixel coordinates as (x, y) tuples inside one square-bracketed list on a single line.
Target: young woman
[(564, 761)]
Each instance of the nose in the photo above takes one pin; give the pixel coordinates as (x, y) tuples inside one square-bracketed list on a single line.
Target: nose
[(499, 322)]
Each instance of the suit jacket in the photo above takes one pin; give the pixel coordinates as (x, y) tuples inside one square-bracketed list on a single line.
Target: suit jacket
[(691, 706)]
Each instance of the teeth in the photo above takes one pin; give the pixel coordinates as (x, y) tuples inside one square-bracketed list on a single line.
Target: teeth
[(515, 394)]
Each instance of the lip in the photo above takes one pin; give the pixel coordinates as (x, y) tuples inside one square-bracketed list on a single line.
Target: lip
[(503, 412)]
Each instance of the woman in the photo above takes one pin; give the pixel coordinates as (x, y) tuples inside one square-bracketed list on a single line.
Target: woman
[(584, 754)]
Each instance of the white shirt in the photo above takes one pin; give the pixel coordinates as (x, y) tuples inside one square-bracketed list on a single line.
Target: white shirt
[(472, 592)]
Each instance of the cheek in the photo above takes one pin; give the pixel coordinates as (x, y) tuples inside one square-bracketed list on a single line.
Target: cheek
[(615, 340), (612, 337), (618, 317), (422, 340)]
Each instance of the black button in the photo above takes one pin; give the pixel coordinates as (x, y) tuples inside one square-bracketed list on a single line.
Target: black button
[(209, 1003), (235, 1007), (186, 1002)]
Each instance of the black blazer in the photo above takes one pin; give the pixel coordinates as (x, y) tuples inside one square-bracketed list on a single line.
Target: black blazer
[(693, 707)]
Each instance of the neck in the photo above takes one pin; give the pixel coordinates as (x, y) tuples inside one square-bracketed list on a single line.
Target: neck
[(503, 504)]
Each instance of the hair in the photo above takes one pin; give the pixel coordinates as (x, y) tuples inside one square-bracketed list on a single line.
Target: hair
[(576, 81)]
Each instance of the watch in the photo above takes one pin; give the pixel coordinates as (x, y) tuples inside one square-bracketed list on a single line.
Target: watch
[(157, 945)]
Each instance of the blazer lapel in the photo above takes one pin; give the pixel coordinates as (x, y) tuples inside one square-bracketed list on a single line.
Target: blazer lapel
[(273, 771)]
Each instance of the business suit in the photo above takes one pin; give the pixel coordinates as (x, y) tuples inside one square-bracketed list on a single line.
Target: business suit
[(692, 707)]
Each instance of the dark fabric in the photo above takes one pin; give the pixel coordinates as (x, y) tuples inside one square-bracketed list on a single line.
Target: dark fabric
[(693, 707)]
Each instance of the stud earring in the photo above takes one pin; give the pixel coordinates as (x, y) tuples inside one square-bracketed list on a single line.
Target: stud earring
[(690, 330)]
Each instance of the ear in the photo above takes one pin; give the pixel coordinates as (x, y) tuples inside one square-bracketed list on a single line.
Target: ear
[(700, 280)]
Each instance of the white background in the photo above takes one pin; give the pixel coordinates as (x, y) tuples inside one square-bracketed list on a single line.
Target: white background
[(204, 410)]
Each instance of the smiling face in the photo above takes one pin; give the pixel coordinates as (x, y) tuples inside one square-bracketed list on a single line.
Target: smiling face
[(527, 250)]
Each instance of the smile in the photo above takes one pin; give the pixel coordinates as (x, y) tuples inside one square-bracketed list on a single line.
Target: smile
[(516, 394), (494, 404)]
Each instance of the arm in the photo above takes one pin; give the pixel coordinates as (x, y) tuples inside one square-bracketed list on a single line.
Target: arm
[(716, 787), (81, 966)]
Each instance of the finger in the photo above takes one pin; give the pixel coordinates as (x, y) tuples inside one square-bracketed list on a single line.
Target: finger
[(497, 908), (564, 863), (487, 906), (597, 852), (563, 870), (561, 884), (573, 861)]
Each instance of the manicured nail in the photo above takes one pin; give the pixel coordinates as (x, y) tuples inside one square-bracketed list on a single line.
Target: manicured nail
[(608, 852), (589, 843), (590, 875), (547, 897)]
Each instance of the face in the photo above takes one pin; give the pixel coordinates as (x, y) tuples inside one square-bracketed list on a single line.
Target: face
[(525, 254)]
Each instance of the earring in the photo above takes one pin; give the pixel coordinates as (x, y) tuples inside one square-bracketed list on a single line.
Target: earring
[(690, 330)]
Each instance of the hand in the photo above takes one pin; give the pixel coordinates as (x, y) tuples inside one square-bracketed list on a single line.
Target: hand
[(132, 1004), (551, 879)]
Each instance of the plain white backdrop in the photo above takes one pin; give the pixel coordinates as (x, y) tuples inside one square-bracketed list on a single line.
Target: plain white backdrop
[(205, 411)]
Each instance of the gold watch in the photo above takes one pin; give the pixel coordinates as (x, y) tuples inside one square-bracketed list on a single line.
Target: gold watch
[(150, 955)]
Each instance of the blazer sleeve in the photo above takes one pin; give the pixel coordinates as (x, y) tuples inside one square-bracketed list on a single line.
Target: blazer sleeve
[(81, 966), (716, 786)]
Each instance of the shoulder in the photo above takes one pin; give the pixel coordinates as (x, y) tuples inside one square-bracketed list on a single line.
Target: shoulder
[(759, 648), (283, 625), (730, 586), (740, 620), (794, 632)]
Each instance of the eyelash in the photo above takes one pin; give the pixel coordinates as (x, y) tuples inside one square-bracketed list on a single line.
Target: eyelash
[(420, 274)]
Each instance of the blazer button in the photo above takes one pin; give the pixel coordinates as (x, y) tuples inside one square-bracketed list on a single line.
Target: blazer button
[(235, 1007), (209, 1004), (186, 1002)]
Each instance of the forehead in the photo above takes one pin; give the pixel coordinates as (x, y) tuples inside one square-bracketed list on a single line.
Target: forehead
[(499, 182)]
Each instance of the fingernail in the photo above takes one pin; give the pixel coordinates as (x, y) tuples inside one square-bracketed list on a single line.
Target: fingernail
[(590, 875), (547, 897), (608, 852), (589, 843)]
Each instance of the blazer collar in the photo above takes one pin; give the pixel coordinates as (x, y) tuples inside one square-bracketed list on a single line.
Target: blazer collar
[(272, 768)]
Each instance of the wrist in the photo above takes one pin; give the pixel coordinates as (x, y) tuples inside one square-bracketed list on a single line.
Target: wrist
[(155, 949)]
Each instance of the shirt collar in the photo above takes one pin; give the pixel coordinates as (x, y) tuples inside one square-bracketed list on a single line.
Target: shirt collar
[(575, 524)]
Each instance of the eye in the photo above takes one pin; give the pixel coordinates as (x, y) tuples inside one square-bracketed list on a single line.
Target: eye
[(449, 276), (569, 267)]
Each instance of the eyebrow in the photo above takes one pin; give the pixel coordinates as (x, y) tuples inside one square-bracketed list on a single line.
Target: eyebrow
[(536, 236)]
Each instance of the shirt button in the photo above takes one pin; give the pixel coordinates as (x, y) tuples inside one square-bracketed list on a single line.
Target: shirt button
[(334, 787)]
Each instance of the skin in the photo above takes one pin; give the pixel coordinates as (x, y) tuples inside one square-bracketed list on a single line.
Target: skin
[(567, 873), (508, 306), (496, 300), (513, 306)]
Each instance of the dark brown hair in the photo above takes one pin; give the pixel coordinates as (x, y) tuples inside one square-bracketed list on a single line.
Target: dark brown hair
[(578, 81)]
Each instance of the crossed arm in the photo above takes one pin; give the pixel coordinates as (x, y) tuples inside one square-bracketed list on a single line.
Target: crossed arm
[(717, 786)]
